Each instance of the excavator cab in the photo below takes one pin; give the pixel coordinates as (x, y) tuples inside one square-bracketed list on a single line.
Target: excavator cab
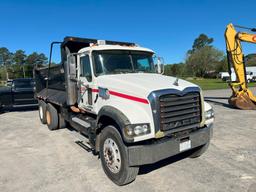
[(242, 97)]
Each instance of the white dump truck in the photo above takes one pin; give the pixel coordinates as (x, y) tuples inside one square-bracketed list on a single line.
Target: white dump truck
[(114, 94)]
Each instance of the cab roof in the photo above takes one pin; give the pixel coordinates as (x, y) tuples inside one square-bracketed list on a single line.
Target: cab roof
[(114, 47), (79, 45)]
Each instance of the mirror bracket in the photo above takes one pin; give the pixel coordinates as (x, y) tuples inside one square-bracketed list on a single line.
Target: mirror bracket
[(72, 67)]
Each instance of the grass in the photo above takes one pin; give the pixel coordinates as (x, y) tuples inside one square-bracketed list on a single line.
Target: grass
[(208, 84)]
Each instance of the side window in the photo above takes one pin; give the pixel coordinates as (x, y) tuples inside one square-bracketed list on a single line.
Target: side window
[(85, 68)]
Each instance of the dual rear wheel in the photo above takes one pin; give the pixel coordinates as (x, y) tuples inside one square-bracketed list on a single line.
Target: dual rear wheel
[(49, 115)]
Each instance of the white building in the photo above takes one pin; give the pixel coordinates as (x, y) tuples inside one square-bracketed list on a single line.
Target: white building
[(250, 74)]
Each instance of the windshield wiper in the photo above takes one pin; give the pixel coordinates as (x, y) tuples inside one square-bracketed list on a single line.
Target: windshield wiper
[(144, 71), (123, 71)]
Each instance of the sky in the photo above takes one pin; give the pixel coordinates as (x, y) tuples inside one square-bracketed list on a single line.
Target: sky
[(167, 27)]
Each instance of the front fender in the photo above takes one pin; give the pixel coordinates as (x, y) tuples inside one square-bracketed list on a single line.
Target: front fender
[(114, 114), (120, 119), (126, 112)]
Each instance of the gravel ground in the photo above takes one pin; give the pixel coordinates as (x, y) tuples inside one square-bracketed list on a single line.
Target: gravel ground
[(32, 158)]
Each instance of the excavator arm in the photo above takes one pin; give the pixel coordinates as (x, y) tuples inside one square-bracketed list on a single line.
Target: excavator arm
[(242, 97)]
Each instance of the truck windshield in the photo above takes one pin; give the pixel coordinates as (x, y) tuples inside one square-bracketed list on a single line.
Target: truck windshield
[(122, 61)]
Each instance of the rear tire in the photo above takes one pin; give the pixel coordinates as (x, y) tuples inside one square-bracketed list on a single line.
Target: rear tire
[(114, 157), (200, 151), (42, 110), (1, 108), (52, 117), (62, 122)]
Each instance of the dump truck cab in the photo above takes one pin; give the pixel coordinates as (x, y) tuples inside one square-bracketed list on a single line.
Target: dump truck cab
[(117, 79), (115, 94)]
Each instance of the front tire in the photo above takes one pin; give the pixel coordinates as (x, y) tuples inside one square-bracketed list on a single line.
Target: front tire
[(52, 117), (114, 157)]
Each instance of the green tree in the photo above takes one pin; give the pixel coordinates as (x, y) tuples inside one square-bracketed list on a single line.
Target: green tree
[(222, 65), (204, 61), (176, 69), (203, 58), (250, 60), (6, 56), (6, 59), (19, 57), (201, 41), (36, 59), (18, 64)]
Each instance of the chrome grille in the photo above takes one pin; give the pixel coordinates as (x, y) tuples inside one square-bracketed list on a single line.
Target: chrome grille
[(179, 111)]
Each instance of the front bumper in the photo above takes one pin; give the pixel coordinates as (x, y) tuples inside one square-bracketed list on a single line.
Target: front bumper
[(151, 153)]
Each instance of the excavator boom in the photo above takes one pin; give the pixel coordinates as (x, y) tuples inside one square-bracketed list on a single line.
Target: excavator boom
[(242, 97)]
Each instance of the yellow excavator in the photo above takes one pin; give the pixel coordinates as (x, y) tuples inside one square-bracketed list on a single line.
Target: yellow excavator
[(242, 97)]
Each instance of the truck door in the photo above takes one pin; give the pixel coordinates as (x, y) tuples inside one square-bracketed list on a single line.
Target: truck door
[(85, 83)]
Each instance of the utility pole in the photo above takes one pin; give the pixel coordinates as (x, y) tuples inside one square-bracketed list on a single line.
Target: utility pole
[(1, 60), (3, 63), (24, 74), (23, 69)]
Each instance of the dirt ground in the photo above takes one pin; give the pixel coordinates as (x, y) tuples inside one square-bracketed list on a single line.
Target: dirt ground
[(32, 158)]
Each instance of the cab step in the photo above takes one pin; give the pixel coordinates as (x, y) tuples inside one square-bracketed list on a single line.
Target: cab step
[(84, 146), (81, 122), (82, 141)]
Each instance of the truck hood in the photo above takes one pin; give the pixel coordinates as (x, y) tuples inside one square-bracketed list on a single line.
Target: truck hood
[(141, 84), (4, 90)]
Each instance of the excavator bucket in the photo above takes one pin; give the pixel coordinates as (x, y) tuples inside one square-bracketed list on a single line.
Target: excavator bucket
[(242, 101)]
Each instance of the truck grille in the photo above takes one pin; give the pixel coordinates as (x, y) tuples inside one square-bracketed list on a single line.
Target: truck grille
[(179, 111)]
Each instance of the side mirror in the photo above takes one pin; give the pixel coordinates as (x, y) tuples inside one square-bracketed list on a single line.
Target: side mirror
[(161, 70), (13, 87), (160, 65), (72, 67)]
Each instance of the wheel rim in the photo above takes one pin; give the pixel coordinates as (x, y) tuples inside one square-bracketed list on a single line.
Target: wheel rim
[(112, 155), (48, 117), (41, 112)]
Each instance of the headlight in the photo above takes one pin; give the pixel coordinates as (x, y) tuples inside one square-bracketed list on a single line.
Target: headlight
[(137, 130), (209, 114)]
